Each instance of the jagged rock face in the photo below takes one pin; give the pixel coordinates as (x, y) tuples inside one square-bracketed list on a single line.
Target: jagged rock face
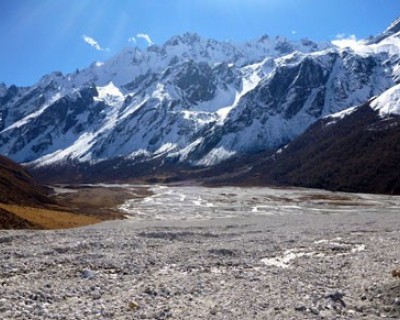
[(191, 100), (287, 90), (56, 126), (196, 82), (291, 98)]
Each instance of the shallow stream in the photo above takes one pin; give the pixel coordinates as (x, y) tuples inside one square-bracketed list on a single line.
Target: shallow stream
[(190, 203)]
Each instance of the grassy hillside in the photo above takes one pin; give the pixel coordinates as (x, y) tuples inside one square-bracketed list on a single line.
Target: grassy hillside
[(18, 187), (24, 204)]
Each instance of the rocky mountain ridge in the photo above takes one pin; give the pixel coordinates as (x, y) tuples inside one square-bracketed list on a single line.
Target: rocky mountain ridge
[(192, 101), (355, 150)]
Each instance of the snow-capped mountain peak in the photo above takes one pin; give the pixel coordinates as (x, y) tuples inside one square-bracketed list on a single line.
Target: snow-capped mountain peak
[(186, 38), (191, 99), (132, 62), (393, 28), (392, 31)]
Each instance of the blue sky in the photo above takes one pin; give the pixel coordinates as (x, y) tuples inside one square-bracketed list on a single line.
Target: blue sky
[(41, 36)]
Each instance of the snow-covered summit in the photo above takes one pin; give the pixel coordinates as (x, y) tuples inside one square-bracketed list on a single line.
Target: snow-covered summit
[(186, 38), (191, 99), (132, 62), (393, 28)]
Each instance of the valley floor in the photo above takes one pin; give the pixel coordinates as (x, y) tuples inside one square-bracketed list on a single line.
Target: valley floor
[(303, 255)]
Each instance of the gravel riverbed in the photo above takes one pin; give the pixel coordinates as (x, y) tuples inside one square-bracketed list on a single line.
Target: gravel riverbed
[(270, 254)]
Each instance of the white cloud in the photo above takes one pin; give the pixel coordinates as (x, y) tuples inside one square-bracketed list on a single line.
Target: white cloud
[(93, 43), (343, 40), (294, 32), (340, 36), (145, 37), (132, 39)]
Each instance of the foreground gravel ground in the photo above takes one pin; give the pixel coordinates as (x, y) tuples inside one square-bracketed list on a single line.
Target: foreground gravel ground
[(313, 265)]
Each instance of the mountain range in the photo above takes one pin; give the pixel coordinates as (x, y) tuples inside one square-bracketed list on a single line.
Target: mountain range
[(195, 104)]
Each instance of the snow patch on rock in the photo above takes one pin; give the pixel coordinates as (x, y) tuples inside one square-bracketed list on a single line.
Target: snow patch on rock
[(388, 103)]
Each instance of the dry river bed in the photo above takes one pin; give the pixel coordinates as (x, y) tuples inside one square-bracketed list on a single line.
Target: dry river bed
[(220, 253)]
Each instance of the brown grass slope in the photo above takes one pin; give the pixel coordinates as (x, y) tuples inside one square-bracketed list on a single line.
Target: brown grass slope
[(24, 204), (18, 187), (40, 218), (9, 220)]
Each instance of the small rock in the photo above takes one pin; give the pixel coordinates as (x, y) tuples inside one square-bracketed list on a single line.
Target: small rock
[(396, 273), (300, 308), (325, 314), (133, 305), (87, 274), (314, 311), (336, 296), (213, 311), (363, 297), (96, 295)]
